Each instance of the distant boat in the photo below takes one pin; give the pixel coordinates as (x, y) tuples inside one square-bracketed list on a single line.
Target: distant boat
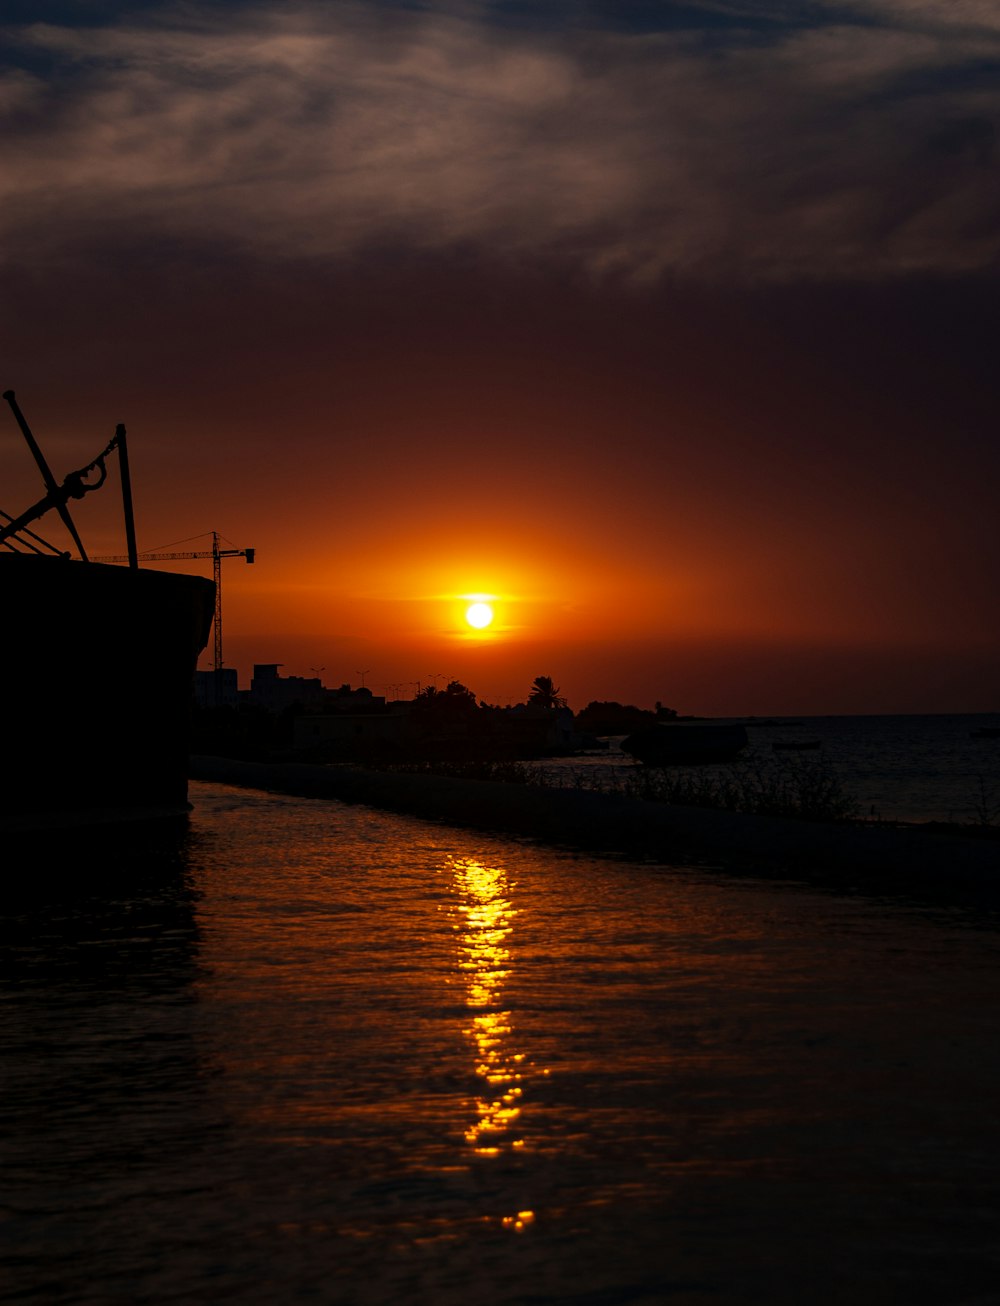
[(795, 745), (986, 732), (684, 745), (97, 666)]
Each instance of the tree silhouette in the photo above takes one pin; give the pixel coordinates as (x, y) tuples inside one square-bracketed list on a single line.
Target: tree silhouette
[(544, 693), (454, 700)]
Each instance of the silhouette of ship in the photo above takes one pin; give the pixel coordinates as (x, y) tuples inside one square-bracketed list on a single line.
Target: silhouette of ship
[(98, 667), (680, 744)]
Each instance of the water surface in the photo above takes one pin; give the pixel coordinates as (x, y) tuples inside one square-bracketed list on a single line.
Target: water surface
[(317, 1053), (892, 768)]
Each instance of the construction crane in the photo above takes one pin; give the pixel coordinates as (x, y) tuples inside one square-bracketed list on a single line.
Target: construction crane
[(216, 554)]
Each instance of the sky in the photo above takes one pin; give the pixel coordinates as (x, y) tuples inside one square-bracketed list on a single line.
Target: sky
[(670, 328)]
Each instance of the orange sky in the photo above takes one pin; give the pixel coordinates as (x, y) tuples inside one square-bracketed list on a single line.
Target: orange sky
[(645, 535), (711, 435)]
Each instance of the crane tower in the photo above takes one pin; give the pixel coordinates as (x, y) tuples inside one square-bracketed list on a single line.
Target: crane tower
[(216, 553)]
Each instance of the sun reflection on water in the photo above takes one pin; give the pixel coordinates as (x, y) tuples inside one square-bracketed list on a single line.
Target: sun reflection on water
[(484, 929)]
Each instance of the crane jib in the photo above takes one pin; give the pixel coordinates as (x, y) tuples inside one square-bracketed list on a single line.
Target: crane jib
[(189, 555)]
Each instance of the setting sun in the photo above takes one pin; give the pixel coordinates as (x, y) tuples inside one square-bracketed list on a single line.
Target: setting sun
[(479, 615)]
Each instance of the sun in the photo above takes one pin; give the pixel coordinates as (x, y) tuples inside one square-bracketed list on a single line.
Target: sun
[(479, 615)]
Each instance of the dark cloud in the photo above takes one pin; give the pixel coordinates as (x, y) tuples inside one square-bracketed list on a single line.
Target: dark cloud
[(835, 148)]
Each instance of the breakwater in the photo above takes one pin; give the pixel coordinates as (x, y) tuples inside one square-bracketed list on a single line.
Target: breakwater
[(864, 856)]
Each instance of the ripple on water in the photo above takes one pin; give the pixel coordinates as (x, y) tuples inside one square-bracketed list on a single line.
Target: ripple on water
[(328, 1054)]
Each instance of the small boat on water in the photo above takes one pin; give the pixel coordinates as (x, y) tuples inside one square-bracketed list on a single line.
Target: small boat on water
[(97, 666), (684, 744), (986, 732)]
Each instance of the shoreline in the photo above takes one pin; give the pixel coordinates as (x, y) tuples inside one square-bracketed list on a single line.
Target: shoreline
[(875, 859)]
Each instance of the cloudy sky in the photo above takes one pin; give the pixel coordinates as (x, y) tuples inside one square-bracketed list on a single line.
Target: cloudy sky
[(672, 327)]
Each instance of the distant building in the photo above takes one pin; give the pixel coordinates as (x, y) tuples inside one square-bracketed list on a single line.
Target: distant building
[(346, 699), (216, 688), (275, 693), (537, 729), (270, 690)]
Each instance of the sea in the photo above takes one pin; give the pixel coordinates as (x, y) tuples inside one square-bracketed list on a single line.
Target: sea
[(891, 769), (298, 1051)]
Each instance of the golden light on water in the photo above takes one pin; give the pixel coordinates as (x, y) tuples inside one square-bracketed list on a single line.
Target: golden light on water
[(484, 929), (519, 1221)]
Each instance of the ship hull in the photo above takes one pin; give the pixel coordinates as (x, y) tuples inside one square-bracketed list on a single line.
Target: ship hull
[(97, 670)]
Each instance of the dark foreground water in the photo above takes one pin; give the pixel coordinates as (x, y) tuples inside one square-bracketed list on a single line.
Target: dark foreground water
[(321, 1054)]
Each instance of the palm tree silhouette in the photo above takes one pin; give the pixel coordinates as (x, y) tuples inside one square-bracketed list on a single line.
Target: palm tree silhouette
[(544, 693)]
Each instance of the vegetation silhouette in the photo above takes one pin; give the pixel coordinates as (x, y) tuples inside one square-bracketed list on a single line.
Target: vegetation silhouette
[(447, 724), (454, 702), (545, 693)]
